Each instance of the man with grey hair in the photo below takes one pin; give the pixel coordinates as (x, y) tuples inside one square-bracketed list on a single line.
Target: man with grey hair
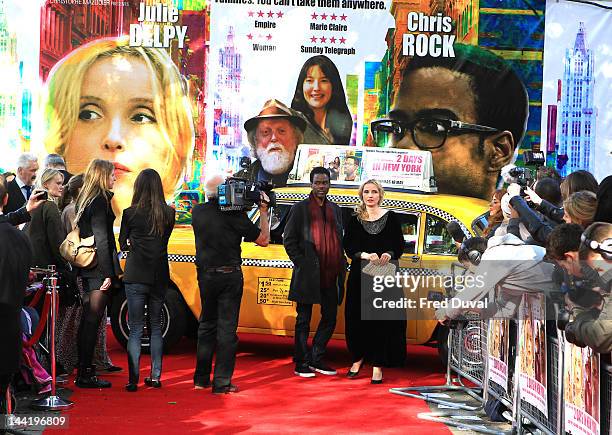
[(21, 187), (218, 236), (274, 136), (55, 161)]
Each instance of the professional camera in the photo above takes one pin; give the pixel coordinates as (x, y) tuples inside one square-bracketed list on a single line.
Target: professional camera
[(242, 194), (581, 290), (522, 176)]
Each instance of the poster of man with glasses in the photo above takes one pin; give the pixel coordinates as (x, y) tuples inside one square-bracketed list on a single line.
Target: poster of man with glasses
[(436, 76), (469, 111)]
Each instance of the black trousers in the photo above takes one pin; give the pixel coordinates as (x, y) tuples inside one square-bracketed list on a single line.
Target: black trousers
[(329, 309), (221, 295)]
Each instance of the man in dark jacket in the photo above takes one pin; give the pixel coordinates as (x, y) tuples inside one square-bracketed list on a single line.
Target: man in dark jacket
[(313, 241), (15, 257), (586, 258), (218, 235), (20, 188)]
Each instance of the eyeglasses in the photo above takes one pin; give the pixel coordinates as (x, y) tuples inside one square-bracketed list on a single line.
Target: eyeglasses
[(427, 133)]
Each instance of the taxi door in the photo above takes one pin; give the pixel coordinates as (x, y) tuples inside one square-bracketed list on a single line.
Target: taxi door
[(410, 263), (438, 252)]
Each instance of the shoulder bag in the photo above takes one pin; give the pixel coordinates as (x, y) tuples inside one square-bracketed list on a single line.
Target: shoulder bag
[(77, 251)]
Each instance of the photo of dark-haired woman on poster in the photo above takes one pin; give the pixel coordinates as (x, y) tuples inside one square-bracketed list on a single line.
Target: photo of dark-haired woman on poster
[(320, 96)]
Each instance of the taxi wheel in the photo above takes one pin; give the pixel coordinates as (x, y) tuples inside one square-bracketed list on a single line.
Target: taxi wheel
[(174, 320)]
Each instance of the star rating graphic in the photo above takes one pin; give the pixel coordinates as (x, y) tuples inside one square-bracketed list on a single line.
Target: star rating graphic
[(260, 14), (270, 14), (279, 14), (333, 31)]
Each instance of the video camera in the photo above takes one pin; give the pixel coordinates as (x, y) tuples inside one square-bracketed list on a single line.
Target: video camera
[(524, 176), (242, 194), (580, 290)]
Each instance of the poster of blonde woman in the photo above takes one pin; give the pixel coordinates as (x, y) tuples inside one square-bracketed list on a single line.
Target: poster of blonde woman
[(532, 352), (581, 394), (498, 352)]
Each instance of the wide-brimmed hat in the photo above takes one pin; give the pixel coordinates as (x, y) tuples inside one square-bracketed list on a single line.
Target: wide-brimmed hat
[(274, 109)]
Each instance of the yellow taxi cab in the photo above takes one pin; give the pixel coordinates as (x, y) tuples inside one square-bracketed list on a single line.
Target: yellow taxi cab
[(267, 270)]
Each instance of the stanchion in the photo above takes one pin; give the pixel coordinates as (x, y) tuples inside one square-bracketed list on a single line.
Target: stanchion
[(52, 402)]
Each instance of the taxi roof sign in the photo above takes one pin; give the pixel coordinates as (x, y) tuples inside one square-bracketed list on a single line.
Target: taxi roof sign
[(392, 167)]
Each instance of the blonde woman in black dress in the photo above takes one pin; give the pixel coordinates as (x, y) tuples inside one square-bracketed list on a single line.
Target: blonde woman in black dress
[(373, 234)]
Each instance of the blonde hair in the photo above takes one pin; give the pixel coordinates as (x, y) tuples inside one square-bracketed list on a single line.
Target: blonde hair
[(171, 105), (47, 175), (95, 183), (581, 207), (361, 210)]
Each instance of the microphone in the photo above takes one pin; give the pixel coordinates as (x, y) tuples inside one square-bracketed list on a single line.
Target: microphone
[(455, 231)]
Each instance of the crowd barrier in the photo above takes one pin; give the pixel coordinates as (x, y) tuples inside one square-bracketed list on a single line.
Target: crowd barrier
[(468, 361)]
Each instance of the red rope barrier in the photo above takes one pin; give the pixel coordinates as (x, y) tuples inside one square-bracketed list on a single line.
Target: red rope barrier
[(37, 296), (41, 325)]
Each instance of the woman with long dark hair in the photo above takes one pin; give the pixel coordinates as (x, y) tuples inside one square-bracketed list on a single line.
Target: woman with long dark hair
[(94, 216), (320, 96), (145, 229)]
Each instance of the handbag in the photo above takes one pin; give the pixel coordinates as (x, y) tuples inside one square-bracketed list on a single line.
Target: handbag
[(378, 270), (77, 251)]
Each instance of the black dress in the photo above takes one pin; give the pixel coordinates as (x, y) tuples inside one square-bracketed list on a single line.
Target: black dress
[(382, 343)]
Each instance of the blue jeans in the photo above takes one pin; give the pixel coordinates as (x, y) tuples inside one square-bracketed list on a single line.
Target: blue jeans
[(137, 296)]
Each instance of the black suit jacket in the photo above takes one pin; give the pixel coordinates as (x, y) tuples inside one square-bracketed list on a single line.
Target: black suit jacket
[(18, 217), (15, 257), (16, 199), (147, 260), (305, 284)]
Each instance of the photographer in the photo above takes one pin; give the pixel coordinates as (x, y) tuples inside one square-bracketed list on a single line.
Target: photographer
[(538, 225), (508, 266), (218, 235), (586, 258)]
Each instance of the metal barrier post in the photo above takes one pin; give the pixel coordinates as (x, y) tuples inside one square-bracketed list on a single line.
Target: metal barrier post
[(52, 402)]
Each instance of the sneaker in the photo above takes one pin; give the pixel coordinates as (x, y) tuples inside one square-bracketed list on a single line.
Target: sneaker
[(322, 368), (231, 388), (304, 371)]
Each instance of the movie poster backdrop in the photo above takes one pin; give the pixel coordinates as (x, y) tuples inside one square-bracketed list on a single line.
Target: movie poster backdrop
[(337, 63)]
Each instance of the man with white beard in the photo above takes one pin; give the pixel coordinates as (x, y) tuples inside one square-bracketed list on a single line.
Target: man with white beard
[(274, 135)]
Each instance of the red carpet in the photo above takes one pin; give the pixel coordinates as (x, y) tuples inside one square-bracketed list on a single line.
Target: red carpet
[(271, 398)]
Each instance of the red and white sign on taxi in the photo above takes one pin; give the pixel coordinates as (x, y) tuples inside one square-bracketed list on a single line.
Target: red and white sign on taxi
[(405, 169)]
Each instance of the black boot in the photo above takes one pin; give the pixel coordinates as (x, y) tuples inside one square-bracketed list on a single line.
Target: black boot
[(86, 378)]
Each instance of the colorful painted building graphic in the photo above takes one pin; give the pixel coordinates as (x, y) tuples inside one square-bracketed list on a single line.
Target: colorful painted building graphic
[(578, 114), (12, 92), (227, 127)]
